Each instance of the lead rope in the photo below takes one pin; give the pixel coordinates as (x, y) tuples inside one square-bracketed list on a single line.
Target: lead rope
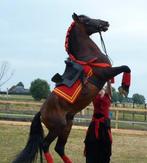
[(103, 44), (104, 48)]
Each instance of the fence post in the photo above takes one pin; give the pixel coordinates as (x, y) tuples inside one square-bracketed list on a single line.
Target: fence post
[(83, 112), (145, 113), (117, 116), (6, 98)]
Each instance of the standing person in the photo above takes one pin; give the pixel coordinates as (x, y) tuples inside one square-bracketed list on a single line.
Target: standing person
[(98, 140)]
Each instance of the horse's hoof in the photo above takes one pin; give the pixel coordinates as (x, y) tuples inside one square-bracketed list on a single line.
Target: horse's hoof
[(122, 91)]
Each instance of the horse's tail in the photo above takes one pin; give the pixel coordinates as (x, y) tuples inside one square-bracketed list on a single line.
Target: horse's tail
[(29, 153)]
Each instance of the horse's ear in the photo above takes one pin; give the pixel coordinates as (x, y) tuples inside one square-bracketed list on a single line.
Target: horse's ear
[(75, 17)]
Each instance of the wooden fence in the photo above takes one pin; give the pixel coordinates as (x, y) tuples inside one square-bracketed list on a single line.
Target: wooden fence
[(121, 117)]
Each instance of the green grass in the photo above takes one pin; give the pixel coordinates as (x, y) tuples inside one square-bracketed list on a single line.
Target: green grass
[(13, 138), (126, 148), (17, 97)]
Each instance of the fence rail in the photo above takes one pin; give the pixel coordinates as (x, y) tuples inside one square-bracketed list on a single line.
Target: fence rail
[(121, 117), (20, 103)]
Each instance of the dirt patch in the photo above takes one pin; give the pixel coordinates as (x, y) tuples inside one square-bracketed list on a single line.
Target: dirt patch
[(116, 131)]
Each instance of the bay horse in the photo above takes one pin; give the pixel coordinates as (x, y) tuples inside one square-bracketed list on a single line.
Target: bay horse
[(57, 114)]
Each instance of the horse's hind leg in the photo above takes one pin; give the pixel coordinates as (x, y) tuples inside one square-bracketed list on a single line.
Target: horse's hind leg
[(46, 144), (62, 139)]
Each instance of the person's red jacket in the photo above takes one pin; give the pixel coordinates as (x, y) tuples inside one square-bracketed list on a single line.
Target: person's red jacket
[(102, 105)]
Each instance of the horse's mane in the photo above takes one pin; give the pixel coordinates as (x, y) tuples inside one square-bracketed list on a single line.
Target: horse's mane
[(70, 46), (69, 39)]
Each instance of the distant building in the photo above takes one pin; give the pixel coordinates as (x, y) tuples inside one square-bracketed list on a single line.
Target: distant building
[(18, 89)]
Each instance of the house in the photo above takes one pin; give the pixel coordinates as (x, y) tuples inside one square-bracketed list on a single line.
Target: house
[(18, 89)]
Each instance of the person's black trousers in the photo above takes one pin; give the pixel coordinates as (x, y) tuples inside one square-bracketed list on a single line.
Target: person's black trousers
[(98, 150)]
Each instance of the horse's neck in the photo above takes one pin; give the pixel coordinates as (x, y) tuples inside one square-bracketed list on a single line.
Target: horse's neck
[(84, 47)]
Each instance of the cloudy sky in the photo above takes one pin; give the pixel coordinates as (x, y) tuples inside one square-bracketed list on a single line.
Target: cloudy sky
[(32, 34)]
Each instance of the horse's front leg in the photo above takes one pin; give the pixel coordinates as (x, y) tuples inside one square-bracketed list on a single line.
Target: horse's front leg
[(109, 73), (62, 139)]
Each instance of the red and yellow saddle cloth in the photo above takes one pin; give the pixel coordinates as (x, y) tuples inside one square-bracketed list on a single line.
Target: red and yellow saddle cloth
[(71, 93)]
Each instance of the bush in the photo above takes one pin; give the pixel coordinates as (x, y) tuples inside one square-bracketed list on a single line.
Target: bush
[(39, 89)]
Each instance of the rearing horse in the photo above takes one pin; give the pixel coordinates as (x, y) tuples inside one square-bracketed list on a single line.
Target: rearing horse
[(56, 113)]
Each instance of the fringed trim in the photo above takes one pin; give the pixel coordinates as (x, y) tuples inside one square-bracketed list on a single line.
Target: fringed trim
[(66, 159), (126, 80), (112, 80), (48, 157)]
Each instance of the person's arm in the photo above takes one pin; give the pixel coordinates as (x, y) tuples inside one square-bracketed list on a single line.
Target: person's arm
[(109, 89)]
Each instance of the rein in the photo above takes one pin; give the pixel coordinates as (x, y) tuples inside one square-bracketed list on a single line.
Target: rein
[(103, 44), (104, 47)]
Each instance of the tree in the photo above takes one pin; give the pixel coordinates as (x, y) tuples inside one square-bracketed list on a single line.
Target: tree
[(4, 75), (138, 99), (117, 97), (39, 89), (114, 95)]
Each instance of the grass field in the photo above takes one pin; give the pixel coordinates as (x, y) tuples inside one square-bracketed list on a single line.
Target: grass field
[(17, 97), (126, 148)]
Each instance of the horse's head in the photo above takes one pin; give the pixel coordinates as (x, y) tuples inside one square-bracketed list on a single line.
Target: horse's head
[(91, 25)]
